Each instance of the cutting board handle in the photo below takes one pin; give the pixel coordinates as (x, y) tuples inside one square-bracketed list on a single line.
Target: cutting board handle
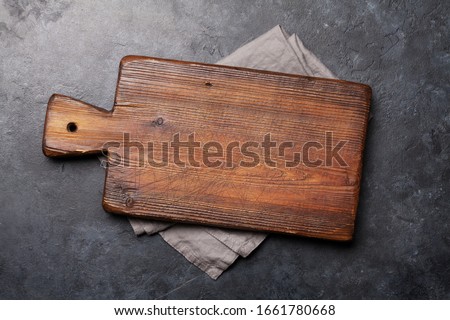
[(73, 128)]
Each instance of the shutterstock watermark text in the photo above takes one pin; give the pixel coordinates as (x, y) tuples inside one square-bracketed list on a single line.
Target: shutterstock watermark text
[(186, 151)]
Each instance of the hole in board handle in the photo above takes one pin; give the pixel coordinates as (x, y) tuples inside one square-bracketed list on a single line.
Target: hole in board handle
[(72, 127)]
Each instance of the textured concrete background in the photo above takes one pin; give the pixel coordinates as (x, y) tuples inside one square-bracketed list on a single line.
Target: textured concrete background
[(57, 242)]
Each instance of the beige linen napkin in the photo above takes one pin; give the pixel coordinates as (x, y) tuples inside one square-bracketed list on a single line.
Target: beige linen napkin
[(213, 250)]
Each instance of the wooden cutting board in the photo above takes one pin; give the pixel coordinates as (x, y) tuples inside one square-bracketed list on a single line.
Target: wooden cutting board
[(254, 185)]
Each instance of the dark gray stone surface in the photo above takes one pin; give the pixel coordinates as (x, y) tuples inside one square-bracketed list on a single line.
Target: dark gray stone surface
[(56, 240)]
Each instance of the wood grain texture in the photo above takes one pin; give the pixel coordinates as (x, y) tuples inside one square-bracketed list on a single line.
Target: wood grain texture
[(157, 98)]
